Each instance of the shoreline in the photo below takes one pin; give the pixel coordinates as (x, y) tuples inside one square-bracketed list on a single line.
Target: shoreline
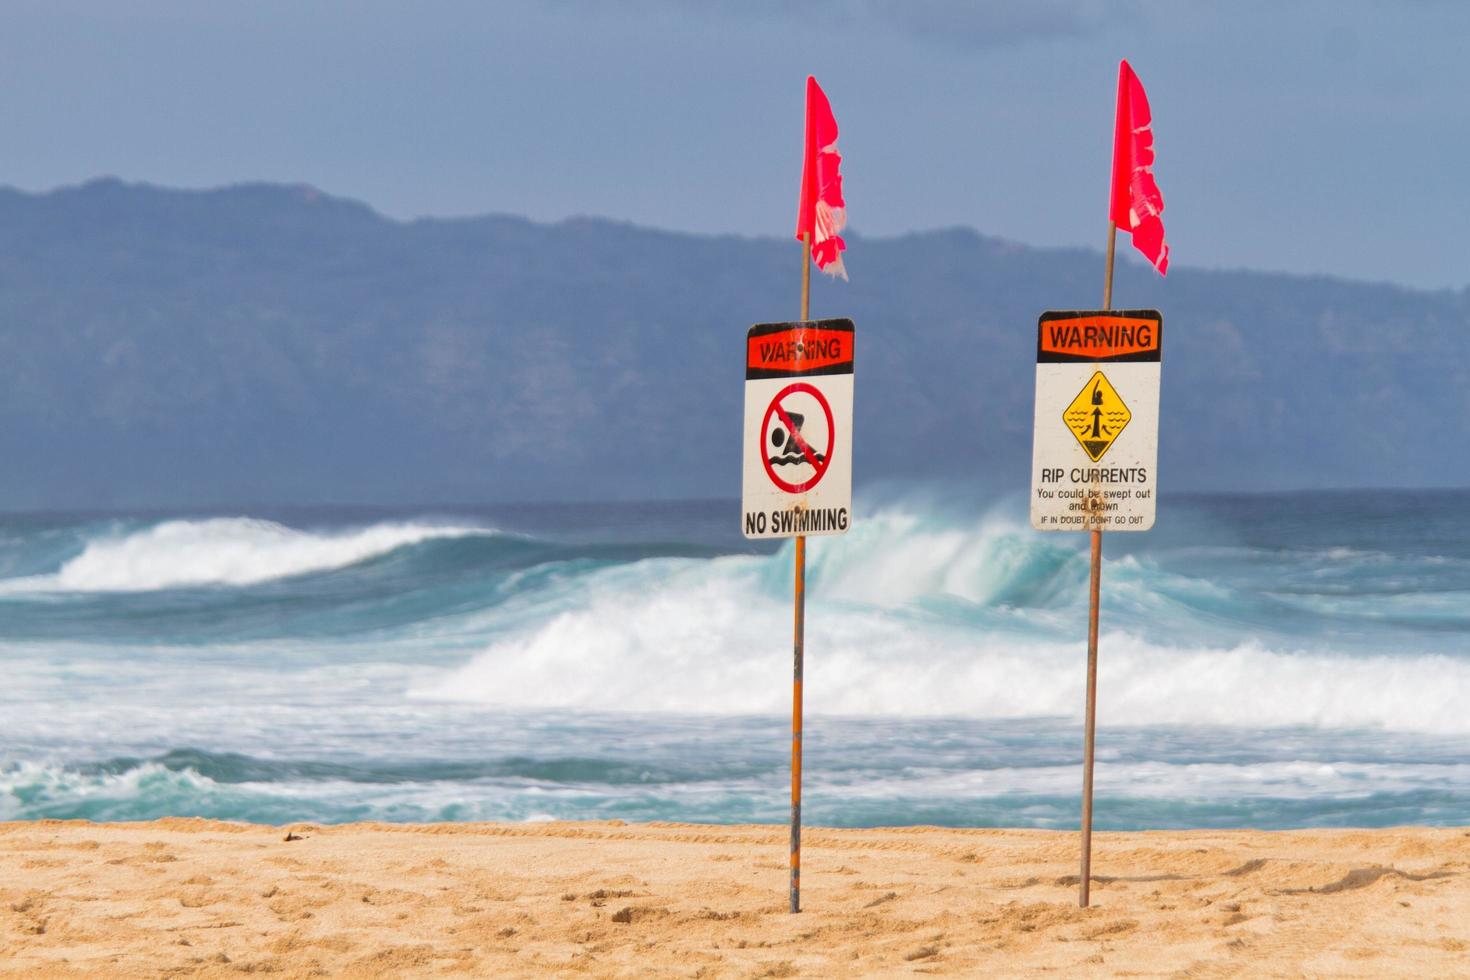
[(195, 897)]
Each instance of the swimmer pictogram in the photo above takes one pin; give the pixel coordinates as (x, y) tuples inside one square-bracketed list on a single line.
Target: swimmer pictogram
[(797, 436), (1097, 416)]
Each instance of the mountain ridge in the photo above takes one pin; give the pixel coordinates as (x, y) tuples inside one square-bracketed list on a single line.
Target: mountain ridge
[(272, 343)]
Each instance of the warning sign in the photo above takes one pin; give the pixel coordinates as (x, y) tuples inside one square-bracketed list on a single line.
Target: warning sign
[(798, 429), (1095, 446), (1097, 415)]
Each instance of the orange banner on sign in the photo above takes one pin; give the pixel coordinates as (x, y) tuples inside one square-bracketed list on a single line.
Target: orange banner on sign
[(798, 351), (1099, 337)]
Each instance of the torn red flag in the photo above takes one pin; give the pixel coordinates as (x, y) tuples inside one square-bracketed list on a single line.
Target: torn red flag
[(822, 212), (1137, 206)]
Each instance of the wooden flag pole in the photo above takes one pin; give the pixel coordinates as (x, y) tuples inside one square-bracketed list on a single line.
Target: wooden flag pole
[(799, 634), (1094, 595)]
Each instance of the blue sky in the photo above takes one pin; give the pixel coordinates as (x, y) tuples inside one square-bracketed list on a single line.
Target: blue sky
[(1314, 137)]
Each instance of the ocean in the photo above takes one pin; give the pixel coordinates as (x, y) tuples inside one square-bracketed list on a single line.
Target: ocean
[(1281, 660)]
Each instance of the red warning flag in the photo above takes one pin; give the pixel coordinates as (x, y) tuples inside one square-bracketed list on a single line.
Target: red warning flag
[(822, 212), (1137, 205)]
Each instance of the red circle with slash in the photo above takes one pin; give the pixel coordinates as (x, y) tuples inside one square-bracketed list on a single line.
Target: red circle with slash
[(776, 409)]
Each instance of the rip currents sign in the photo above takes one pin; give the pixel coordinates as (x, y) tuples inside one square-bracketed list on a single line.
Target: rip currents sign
[(798, 429), (1095, 449)]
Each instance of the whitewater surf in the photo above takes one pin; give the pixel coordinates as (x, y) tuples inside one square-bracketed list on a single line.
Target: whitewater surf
[(1289, 661)]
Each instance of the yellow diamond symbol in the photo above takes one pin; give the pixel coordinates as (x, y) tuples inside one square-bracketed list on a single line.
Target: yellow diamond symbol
[(1096, 416)]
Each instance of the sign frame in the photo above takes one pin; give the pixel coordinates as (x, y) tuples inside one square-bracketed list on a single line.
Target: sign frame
[(797, 373), (1098, 469)]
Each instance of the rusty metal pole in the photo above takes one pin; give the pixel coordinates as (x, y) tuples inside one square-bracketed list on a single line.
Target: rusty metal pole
[(1094, 597), (799, 634), (1093, 593)]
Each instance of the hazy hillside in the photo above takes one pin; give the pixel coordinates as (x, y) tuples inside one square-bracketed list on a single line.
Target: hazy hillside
[(272, 344)]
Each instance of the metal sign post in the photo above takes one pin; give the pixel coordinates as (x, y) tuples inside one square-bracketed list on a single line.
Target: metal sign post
[(798, 467), (1095, 458), (1094, 601), (799, 633)]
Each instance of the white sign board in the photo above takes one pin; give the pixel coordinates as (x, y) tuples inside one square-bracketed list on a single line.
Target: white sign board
[(1095, 451), (798, 429)]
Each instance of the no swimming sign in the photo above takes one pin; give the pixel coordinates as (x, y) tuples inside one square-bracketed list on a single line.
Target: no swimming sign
[(798, 429)]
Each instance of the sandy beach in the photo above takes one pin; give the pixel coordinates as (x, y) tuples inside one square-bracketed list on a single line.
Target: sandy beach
[(184, 897)]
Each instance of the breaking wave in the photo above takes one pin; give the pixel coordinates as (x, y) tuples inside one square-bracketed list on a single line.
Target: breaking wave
[(1274, 661), (698, 649), (226, 551), (911, 617)]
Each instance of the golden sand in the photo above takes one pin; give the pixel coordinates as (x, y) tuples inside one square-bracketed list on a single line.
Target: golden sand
[(195, 898)]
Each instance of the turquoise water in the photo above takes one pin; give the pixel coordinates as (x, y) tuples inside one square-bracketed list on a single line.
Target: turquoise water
[(1267, 661)]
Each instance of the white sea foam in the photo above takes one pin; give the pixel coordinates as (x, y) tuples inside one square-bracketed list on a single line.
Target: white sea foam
[(149, 789), (1156, 780), (223, 551), (30, 787), (712, 637)]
